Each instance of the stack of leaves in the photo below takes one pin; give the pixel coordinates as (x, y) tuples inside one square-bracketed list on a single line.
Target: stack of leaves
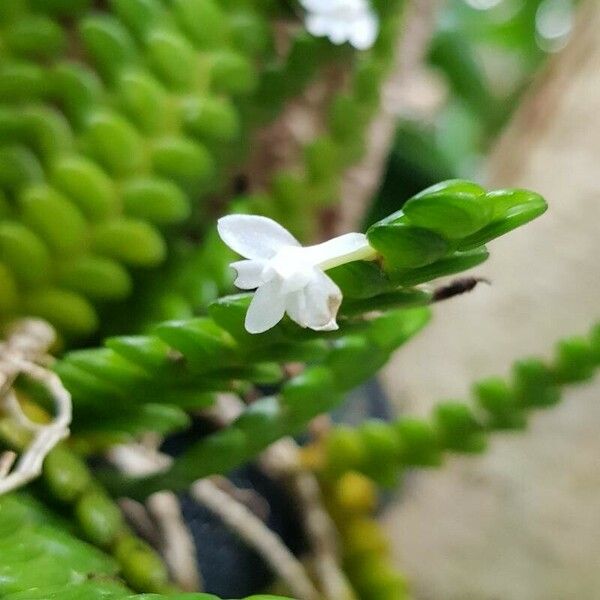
[(153, 379), (112, 125), (352, 500), (384, 450)]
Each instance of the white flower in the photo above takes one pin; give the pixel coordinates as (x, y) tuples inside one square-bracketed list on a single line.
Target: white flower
[(342, 21), (289, 278)]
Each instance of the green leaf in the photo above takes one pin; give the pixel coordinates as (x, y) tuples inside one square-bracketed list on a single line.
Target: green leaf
[(498, 400), (353, 360), (173, 59), (232, 73), (360, 279), (99, 517), (54, 219), (511, 209), (22, 81), (24, 253), (127, 423), (200, 340), (534, 383), (405, 246), (96, 277), (19, 167), (183, 160), (66, 475), (139, 15), (402, 298), (35, 36), (458, 428), (454, 209), (130, 241), (114, 142), (108, 43), (156, 200), (144, 100), (203, 20), (84, 183), (67, 311), (449, 265), (76, 88), (420, 443), (396, 327), (210, 118)]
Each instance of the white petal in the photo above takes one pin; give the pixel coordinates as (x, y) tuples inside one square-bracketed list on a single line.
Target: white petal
[(339, 31), (295, 306), (249, 273), (266, 309), (365, 31), (253, 236), (317, 6), (340, 250), (317, 24), (316, 306)]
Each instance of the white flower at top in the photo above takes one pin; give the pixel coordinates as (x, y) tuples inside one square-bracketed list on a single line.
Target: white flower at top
[(342, 21), (288, 277)]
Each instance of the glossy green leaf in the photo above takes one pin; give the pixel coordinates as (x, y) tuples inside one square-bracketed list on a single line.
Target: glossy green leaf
[(405, 246), (22, 81), (67, 311), (203, 21), (183, 160), (156, 200), (24, 253), (144, 100), (200, 340), (35, 36), (454, 263), (56, 220), (114, 142), (232, 73), (454, 209), (84, 183), (139, 15), (76, 88), (402, 298), (129, 241), (210, 118), (360, 279), (172, 58), (108, 43), (511, 209), (96, 277), (18, 167)]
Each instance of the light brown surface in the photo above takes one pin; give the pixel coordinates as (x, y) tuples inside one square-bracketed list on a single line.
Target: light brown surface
[(523, 521)]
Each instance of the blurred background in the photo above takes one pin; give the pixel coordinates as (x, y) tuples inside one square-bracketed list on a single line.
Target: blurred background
[(509, 94)]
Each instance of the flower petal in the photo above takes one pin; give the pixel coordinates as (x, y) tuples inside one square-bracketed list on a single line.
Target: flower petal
[(253, 236), (340, 250), (249, 273), (266, 309), (316, 305), (339, 31), (365, 31), (317, 24), (318, 6)]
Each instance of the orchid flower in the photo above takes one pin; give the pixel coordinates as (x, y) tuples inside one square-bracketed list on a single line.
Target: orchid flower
[(342, 21), (288, 278)]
